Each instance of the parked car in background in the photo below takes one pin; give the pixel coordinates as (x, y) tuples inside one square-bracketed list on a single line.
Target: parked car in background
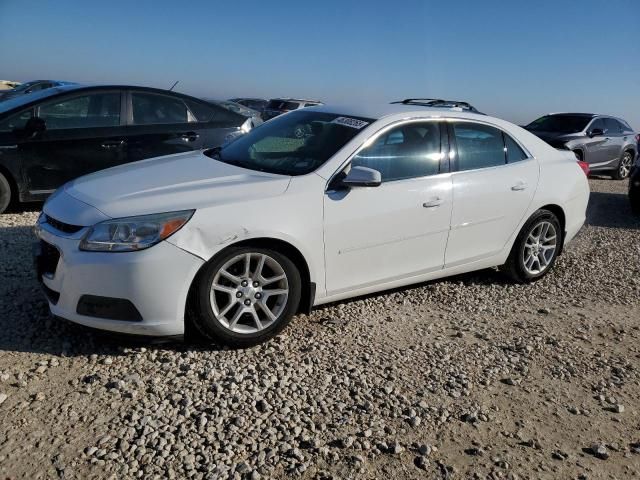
[(278, 106), (244, 236), (8, 84), (608, 144), (257, 104), (30, 87), (439, 103), (253, 115), (52, 136)]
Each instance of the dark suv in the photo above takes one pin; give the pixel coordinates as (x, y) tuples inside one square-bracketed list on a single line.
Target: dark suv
[(606, 143), (55, 135)]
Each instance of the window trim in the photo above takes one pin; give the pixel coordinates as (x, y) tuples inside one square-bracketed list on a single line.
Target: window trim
[(83, 93), (445, 149), (453, 153)]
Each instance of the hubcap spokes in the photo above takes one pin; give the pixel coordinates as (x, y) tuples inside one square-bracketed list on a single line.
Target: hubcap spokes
[(249, 292), (625, 165), (540, 247)]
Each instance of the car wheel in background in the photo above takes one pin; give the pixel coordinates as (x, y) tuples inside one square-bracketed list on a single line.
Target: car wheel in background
[(245, 296), (5, 193), (536, 248), (624, 167)]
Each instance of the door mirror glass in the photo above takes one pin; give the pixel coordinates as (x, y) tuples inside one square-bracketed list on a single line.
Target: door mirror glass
[(596, 132), (362, 177)]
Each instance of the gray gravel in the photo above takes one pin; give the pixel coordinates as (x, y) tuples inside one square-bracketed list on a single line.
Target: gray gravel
[(469, 377)]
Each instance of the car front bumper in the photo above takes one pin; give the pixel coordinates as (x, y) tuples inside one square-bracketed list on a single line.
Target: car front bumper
[(146, 290)]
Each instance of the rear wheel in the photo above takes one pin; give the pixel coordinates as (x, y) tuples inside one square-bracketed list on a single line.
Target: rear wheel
[(536, 248), (624, 167), (5, 193), (246, 296)]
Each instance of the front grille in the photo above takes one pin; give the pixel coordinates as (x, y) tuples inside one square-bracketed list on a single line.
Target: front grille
[(48, 260), (61, 226)]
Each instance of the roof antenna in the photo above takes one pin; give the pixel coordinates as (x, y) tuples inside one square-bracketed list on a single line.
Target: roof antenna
[(174, 85)]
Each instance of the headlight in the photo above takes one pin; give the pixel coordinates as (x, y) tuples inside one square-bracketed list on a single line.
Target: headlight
[(133, 233)]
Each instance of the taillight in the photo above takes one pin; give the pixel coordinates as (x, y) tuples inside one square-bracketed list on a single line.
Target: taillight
[(584, 166)]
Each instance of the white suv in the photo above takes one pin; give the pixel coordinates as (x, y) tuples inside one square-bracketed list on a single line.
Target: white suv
[(245, 236)]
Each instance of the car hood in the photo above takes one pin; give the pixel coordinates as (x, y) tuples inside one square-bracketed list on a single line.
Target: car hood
[(176, 182)]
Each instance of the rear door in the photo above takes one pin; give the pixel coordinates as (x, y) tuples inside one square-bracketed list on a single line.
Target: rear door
[(162, 124), (83, 134), (493, 182), (616, 139)]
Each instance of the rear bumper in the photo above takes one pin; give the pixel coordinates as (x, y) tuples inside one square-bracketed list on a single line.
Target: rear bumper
[(154, 281)]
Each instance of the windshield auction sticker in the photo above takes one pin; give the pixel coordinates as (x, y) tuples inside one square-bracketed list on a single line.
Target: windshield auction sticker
[(350, 122)]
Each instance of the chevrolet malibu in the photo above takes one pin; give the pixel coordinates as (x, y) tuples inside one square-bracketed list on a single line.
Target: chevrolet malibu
[(232, 242)]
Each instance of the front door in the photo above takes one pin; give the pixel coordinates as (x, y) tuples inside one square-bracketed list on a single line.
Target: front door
[(82, 134), (597, 146), (493, 184), (399, 229)]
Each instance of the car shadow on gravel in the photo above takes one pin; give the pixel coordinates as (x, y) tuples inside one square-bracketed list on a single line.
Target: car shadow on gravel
[(611, 210)]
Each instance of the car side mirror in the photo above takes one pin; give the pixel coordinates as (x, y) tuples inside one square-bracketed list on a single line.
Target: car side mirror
[(596, 132), (362, 177)]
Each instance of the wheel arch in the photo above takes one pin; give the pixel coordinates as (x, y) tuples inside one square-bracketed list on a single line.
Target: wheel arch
[(558, 211), (308, 287)]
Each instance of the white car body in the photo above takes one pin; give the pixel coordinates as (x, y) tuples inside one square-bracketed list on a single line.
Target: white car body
[(376, 238)]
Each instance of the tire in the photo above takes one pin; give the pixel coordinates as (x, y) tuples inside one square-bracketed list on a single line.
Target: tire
[(231, 309), (5, 193), (517, 265), (624, 166)]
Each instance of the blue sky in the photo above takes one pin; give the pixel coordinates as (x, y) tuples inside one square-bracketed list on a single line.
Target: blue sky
[(516, 60)]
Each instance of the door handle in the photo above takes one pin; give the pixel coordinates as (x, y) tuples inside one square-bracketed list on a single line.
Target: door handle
[(189, 136), (109, 145), (519, 187), (434, 202)]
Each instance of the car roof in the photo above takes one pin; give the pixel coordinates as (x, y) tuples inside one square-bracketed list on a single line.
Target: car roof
[(287, 99), (381, 110), (24, 101), (575, 114)]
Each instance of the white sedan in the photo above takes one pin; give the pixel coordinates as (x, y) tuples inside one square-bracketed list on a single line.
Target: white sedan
[(237, 240)]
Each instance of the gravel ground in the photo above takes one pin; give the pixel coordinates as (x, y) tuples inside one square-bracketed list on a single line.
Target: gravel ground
[(469, 377)]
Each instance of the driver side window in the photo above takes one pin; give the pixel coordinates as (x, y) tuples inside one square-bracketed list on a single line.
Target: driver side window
[(16, 121), (408, 151)]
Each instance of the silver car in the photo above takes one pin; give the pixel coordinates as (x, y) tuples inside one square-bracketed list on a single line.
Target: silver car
[(608, 144)]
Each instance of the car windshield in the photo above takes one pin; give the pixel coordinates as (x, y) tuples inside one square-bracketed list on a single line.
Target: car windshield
[(293, 144), (281, 105), (236, 107), (24, 86), (560, 123), (13, 103)]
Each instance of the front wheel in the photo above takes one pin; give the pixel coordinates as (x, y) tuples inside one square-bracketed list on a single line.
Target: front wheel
[(5, 193), (624, 167), (246, 295), (536, 248)]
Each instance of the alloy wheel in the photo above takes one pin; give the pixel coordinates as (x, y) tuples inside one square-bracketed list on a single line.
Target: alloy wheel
[(249, 293), (540, 247), (625, 165)]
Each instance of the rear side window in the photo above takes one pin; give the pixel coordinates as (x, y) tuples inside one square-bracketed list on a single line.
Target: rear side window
[(479, 146), (408, 151), (202, 112), (513, 150), (152, 109), (87, 111)]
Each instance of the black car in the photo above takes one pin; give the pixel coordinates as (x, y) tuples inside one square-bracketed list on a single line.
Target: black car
[(634, 185), (258, 104), (30, 87), (52, 136)]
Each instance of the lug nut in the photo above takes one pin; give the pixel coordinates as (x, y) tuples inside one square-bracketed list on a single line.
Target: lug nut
[(258, 295), (256, 284), (238, 294), (244, 283), (247, 302)]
